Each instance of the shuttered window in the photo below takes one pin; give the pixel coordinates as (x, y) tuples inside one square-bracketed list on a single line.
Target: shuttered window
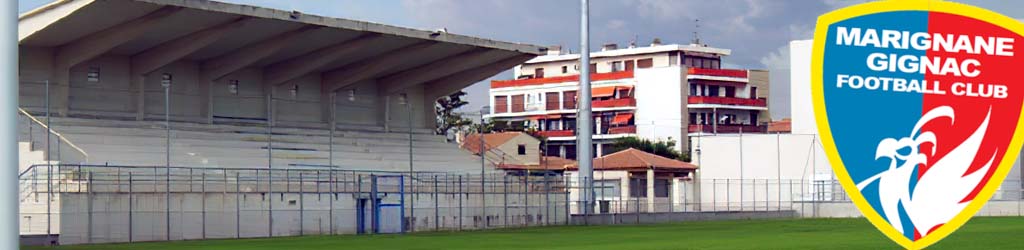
[(570, 100), (518, 103), (551, 102), (501, 104)]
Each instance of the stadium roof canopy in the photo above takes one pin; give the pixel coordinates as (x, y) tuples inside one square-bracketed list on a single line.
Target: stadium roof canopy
[(287, 45)]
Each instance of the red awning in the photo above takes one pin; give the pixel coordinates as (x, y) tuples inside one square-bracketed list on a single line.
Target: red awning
[(554, 116), (622, 118), (602, 92)]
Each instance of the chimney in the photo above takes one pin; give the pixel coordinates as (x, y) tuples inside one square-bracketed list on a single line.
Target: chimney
[(656, 42), (554, 50), (609, 46)]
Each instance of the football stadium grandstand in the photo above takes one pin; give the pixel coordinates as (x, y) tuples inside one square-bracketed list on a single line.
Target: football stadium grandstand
[(151, 120)]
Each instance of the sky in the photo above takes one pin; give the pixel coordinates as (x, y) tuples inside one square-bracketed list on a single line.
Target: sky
[(757, 31)]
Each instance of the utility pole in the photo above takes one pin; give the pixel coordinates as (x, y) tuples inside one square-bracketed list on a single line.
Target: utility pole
[(584, 119)]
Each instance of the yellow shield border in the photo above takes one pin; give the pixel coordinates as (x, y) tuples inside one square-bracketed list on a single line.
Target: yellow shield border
[(820, 35)]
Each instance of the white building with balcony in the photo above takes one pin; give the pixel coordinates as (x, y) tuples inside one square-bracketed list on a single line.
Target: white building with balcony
[(658, 92)]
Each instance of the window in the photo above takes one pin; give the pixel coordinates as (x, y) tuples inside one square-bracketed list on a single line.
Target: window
[(565, 69), (753, 92), (552, 101), (630, 65), (500, 104), (521, 149), (645, 63), (233, 87), (617, 66), (538, 73), (93, 75), (712, 91), (730, 91), (607, 189), (693, 118), (518, 104), (593, 68), (569, 100)]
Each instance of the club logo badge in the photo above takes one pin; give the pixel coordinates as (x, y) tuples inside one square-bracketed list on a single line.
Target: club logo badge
[(918, 104)]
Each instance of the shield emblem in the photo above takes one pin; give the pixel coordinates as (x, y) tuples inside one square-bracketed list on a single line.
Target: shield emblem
[(918, 104)]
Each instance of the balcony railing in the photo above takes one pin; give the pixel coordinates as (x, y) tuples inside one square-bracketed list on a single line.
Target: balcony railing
[(759, 102), (560, 79), (614, 103), (728, 129), (622, 130), (555, 133), (738, 73)]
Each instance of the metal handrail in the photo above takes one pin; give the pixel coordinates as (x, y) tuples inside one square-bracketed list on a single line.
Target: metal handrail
[(54, 132)]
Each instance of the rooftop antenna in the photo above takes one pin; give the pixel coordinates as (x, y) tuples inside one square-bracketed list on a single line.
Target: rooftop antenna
[(696, 34)]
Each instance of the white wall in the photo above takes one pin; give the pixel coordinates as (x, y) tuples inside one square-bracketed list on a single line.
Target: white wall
[(659, 103), (802, 111), (762, 156)]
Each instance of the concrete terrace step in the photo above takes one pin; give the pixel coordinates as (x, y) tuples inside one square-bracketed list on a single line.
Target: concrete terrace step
[(223, 128)]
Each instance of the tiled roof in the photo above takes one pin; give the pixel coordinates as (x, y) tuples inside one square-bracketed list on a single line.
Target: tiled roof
[(783, 126), (548, 163), (635, 159), (472, 142)]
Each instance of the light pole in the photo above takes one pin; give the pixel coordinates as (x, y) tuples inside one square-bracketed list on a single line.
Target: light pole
[(584, 120), (166, 83), (483, 163)]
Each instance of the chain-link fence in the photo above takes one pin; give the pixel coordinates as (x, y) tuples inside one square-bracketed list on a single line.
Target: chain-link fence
[(98, 204), (103, 203)]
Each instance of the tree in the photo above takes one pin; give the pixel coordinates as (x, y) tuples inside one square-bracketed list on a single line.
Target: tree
[(661, 148), (447, 118)]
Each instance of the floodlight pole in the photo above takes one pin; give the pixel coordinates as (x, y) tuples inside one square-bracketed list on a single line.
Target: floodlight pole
[(8, 107), (584, 118)]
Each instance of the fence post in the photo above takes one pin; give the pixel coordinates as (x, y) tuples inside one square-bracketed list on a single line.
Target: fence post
[(437, 214), (88, 198), (526, 199), (638, 202), (131, 204), (460, 202), (202, 182), (238, 204), (330, 200), (302, 205), (504, 191), (547, 198), (568, 214)]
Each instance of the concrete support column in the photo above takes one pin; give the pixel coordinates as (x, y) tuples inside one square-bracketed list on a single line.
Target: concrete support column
[(673, 196), (139, 82), (206, 97), (60, 91), (599, 152), (650, 190), (326, 105), (624, 190)]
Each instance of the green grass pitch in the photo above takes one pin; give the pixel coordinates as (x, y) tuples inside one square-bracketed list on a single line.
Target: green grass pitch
[(979, 233)]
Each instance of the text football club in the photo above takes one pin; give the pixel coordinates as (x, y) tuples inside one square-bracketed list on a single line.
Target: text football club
[(919, 107)]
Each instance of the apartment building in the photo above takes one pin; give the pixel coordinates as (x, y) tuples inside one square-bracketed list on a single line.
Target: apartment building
[(657, 92)]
